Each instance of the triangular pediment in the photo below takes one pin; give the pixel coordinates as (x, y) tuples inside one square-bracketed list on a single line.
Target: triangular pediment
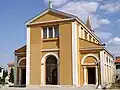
[(50, 14), (21, 49)]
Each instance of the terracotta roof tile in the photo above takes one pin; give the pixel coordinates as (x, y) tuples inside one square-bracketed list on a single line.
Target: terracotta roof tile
[(11, 63), (117, 60)]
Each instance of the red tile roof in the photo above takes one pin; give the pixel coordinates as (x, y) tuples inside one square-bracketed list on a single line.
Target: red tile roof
[(117, 60), (11, 63)]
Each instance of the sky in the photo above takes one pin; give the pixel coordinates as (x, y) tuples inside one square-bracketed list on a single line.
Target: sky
[(104, 16)]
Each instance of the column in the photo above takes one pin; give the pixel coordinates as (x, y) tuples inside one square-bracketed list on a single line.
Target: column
[(111, 74), (85, 75), (106, 74), (102, 58), (19, 76), (15, 71), (96, 75)]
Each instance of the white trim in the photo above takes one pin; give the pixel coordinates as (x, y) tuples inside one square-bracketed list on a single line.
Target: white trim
[(43, 78), (28, 58), (47, 32), (45, 50), (96, 75), (102, 65), (74, 54), (24, 58), (53, 32), (91, 55), (51, 21), (88, 30), (36, 17), (79, 31), (42, 33), (92, 48), (85, 75)]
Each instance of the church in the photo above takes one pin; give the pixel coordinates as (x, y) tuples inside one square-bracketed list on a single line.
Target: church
[(61, 50)]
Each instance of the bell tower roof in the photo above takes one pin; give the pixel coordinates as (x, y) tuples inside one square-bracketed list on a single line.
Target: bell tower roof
[(88, 24)]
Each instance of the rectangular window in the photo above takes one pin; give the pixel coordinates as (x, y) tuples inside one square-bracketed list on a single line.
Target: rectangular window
[(117, 66), (56, 31), (44, 33), (50, 32)]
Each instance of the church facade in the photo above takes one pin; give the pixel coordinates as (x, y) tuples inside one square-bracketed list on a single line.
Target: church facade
[(62, 50)]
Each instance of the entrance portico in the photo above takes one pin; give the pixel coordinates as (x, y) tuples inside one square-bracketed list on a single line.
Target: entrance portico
[(50, 69), (90, 69), (21, 70)]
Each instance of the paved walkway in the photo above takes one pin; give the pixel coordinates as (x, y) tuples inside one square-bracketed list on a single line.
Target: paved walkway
[(50, 88)]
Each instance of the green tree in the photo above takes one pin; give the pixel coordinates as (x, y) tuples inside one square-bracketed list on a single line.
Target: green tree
[(11, 79), (5, 73)]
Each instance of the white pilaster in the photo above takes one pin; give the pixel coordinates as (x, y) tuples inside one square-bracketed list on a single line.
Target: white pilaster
[(85, 75), (28, 57), (74, 54), (96, 75), (102, 66)]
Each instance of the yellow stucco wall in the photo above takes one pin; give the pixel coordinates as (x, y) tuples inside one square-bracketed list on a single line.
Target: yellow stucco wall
[(50, 44), (66, 54), (35, 55), (85, 44)]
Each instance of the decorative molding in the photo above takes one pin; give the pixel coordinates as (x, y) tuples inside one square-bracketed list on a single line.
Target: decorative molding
[(89, 55), (20, 53), (51, 21), (48, 50), (21, 60)]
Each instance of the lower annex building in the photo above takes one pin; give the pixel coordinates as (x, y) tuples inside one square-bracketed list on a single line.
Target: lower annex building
[(62, 50)]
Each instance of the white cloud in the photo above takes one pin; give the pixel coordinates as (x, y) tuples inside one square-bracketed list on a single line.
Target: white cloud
[(89, 6), (114, 45), (81, 10), (104, 21), (115, 40), (104, 36), (111, 7), (57, 3)]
